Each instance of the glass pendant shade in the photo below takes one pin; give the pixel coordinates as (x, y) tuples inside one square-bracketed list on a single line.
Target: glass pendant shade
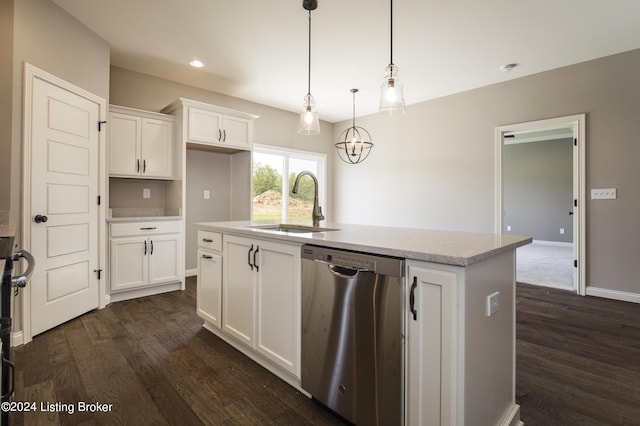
[(354, 144), (392, 93), (309, 123)]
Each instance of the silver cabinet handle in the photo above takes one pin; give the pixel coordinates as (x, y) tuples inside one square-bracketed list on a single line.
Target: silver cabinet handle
[(206, 256), (207, 240), (23, 279), (148, 228)]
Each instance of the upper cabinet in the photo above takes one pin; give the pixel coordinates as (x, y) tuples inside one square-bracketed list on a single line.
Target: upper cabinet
[(212, 126), (140, 144)]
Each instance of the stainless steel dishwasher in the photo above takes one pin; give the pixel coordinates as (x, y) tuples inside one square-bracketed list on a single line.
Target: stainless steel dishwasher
[(352, 334)]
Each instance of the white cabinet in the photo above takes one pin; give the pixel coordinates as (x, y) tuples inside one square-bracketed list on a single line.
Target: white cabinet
[(460, 360), (144, 254), (209, 280), (261, 298), (140, 144), (213, 126), (430, 349)]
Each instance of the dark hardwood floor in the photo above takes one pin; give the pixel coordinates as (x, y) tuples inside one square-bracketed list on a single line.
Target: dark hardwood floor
[(578, 363), (577, 359), (151, 359)]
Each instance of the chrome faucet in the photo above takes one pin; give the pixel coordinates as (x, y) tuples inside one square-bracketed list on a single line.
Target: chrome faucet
[(316, 215)]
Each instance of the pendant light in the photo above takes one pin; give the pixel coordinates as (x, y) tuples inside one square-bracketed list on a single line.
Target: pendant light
[(392, 95), (354, 144), (309, 123)]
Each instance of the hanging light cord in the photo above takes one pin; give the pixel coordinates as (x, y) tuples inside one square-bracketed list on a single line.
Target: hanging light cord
[(309, 68), (391, 29), (354, 106)]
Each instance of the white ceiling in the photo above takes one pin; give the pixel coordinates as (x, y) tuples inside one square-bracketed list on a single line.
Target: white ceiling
[(257, 49)]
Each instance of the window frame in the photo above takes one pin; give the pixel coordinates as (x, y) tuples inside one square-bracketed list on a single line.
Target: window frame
[(287, 153)]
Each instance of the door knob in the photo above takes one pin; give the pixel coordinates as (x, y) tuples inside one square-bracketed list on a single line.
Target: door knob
[(39, 218)]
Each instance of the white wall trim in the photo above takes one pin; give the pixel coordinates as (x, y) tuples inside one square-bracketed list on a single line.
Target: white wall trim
[(552, 243), (17, 338), (578, 125), (191, 272), (613, 294)]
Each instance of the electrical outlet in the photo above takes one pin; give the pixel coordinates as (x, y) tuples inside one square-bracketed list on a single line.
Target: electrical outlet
[(493, 303), (146, 193), (604, 194), (561, 231), (207, 194), (508, 227)]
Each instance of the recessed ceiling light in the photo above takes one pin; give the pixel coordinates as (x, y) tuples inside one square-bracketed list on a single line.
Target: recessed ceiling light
[(508, 67), (196, 63)]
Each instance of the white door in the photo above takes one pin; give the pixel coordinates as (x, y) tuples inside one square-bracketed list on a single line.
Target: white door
[(156, 148), (64, 188), (129, 263), (163, 254), (209, 301)]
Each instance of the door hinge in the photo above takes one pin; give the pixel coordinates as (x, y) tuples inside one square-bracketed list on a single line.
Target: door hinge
[(575, 263), (575, 141), (99, 200), (575, 203), (100, 123), (99, 272)]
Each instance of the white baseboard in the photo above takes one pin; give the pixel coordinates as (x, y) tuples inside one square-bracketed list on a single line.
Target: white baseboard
[(613, 294), (17, 338), (552, 243), (191, 272), (512, 418), (143, 292)]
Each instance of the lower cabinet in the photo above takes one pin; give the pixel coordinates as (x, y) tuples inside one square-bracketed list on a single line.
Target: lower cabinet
[(431, 352), (461, 358), (261, 298), (209, 287), (144, 254)]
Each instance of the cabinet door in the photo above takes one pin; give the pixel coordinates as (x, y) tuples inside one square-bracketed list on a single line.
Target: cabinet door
[(238, 289), (129, 262), (124, 149), (278, 300), (204, 126), (209, 287), (431, 353), (236, 132), (156, 148), (163, 252)]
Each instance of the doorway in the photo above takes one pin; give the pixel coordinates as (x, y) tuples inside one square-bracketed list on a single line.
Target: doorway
[(540, 192)]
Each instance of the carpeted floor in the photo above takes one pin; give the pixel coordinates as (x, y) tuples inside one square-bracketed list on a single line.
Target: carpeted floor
[(546, 265)]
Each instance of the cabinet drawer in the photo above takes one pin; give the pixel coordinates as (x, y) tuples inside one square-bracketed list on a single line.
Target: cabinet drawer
[(144, 228), (210, 240)]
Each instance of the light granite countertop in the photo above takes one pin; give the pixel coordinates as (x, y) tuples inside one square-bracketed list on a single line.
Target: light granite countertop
[(446, 247), (7, 231)]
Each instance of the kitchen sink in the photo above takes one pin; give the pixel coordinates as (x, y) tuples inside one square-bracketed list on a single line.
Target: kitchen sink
[(288, 227)]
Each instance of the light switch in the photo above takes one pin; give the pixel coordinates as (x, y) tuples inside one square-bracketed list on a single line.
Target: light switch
[(207, 194), (604, 194), (146, 193)]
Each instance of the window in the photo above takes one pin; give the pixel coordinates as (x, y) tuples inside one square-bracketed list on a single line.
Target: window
[(272, 197)]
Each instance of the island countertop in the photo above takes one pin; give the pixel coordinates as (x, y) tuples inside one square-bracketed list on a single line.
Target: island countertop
[(447, 247)]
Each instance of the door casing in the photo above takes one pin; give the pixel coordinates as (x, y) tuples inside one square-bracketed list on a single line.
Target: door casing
[(578, 125)]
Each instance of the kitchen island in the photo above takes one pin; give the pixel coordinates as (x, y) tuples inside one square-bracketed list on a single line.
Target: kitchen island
[(459, 305)]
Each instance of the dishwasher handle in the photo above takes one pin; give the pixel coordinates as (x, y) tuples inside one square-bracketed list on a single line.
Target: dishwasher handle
[(342, 272)]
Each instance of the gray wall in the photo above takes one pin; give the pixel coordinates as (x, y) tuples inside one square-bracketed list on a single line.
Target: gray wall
[(538, 189), (439, 159), (6, 91)]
